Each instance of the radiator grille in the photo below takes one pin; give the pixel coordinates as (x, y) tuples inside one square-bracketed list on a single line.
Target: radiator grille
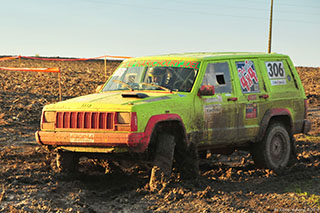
[(85, 120)]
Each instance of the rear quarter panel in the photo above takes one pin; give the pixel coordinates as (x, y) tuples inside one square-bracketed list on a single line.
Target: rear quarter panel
[(286, 92)]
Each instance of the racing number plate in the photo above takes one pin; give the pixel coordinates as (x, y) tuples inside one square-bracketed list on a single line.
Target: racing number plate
[(81, 137)]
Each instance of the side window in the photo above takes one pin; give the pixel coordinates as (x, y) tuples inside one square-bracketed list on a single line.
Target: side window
[(218, 75), (247, 76)]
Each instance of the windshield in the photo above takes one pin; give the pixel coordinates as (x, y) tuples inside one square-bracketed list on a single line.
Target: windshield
[(146, 75)]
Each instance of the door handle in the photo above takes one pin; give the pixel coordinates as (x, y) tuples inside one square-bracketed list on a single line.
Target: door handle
[(265, 96), (232, 99)]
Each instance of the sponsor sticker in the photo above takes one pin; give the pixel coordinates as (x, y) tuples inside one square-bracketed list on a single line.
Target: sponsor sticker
[(215, 99), (252, 97), (251, 110), (82, 137), (248, 76), (278, 82), (213, 108)]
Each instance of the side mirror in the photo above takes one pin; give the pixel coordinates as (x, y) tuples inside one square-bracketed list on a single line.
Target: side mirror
[(206, 90), (99, 88)]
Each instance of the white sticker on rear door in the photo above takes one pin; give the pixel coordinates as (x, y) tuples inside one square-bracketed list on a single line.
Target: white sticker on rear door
[(278, 82)]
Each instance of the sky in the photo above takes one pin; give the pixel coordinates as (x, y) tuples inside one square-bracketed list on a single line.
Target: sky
[(92, 28)]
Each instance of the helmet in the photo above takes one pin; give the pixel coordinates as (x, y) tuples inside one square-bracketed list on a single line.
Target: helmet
[(157, 74), (157, 71)]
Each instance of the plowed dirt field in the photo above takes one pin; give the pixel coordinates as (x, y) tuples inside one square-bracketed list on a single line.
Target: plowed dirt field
[(226, 183)]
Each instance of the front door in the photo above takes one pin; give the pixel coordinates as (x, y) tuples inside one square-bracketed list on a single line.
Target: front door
[(220, 109)]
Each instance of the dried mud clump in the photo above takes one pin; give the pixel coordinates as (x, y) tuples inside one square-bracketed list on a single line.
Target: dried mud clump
[(226, 183)]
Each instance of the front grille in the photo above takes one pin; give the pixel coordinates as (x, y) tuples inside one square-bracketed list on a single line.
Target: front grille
[(85, 120)]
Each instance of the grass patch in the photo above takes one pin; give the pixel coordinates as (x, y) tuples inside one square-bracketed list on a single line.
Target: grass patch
[(313, 138), (306, 191), (309, 138), (312, 200)]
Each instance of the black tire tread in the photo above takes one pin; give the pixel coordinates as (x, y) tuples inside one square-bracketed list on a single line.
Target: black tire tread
[(258, 151), (67, 162), (163, 160)]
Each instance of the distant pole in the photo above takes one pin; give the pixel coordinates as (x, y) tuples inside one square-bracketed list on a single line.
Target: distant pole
[(59, 79), (270, 28), (105, 67)]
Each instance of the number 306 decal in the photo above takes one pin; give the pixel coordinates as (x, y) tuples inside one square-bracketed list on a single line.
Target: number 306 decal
[(276, 72)]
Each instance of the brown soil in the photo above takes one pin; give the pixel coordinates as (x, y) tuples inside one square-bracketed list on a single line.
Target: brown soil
[(227, 183)]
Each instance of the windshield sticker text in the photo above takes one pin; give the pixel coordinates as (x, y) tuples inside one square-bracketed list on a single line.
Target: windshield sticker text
[(162, 63)]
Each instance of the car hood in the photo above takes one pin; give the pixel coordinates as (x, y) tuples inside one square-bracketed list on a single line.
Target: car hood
[(109, 101)]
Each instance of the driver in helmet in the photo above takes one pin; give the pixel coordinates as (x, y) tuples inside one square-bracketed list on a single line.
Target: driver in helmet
[(157, 75)]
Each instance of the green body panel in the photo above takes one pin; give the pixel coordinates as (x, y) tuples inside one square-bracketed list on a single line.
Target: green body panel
[(222, 119)]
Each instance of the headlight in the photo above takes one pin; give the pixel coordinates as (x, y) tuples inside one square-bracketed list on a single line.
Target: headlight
[(124, 118), (49, 117)]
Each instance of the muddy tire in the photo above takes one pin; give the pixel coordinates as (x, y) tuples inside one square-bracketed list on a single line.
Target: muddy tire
[(67, 162), (202, 154), (188, 162), (162, 164), (274, 151), (293, 157)]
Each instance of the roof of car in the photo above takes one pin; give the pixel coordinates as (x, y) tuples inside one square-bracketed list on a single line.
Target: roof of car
[(210, 55)]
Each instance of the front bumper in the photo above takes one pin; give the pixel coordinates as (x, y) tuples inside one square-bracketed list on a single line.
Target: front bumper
[(137, 142)]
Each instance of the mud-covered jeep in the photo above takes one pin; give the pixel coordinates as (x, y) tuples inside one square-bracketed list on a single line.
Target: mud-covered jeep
[(171, 107)]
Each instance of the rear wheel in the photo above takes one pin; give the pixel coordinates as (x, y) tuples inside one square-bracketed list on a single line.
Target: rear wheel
[(293, 157), (274, 151), (162, 164)]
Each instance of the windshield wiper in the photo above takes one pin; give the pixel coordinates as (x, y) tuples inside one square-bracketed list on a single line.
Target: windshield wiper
[(124, 83), (154, 85)]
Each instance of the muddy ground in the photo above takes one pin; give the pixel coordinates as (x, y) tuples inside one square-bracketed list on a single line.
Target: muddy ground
[(226, 184)]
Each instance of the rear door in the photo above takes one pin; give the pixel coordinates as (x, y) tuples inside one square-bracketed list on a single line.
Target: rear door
[(253, 97)]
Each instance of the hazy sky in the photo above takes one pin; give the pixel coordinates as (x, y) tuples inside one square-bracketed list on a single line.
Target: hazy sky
[(90, 28)]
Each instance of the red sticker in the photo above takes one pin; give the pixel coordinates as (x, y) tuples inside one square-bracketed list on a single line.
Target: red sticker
[(251, 110)]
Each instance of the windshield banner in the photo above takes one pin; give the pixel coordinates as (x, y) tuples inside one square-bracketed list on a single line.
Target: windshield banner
[(161, 63)]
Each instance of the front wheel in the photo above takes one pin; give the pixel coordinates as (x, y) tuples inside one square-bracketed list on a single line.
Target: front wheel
[(162, 164), (274, 151), (67, 162)]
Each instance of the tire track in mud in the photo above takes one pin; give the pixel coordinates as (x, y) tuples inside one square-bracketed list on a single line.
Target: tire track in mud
[(226, 183)]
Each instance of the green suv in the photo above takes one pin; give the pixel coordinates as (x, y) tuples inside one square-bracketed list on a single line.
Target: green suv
[(177, 107)]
